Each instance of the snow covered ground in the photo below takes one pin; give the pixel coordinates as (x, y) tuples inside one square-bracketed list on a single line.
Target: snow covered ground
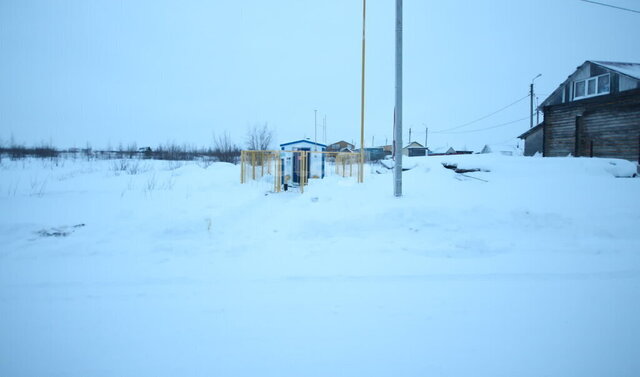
[(155, 268)]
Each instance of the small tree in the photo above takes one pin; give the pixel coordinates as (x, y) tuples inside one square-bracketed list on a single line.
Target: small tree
[(224, 149), (132, 149), (259, 138)]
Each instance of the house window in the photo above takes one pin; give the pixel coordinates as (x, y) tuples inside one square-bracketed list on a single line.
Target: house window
[(579, 90), (593, 86), (603, 84)]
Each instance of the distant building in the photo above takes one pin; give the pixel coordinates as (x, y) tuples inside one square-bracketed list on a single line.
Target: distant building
[(340, 146), (449, 151), (485, 150), (595, 112), (373, 154), (414, 149)]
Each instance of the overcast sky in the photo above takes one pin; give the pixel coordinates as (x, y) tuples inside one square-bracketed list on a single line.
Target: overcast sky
[(109, 72)]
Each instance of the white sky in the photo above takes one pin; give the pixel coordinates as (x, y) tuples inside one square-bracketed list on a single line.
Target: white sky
[(109, 72)]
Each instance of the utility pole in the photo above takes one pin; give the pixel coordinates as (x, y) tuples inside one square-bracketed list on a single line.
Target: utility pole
[(397, 170), (324, 129), (364, 22), (409, 135), (315, 126), (426, 135), (531, 97)]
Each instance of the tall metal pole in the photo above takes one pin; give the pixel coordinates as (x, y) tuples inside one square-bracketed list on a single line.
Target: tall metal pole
[(364, 21), (426, 135), (531, 95), (531, 107), (324, 129), (397, 171)]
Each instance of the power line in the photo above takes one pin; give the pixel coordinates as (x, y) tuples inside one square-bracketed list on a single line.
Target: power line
[(488, 128), (481, 118), (611, 6), (504, 142)]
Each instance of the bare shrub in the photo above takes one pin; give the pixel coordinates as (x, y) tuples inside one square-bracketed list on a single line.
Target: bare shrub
[(168, 184), (151, 184), (173, 165), (132, 150), (13, 188), (172, 151), (38, 187), (45, 151), (120, 166), (133, 168), (224, 150), (259, 138), (206, 161)]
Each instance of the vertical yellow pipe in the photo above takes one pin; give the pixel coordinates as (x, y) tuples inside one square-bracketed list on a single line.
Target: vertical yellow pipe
[(253, 165), (241, 166), (364, 19), (344, 166), (278, 172), (270, 160)]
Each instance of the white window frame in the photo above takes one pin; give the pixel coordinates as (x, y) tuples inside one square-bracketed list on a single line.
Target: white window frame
[(595, 79)]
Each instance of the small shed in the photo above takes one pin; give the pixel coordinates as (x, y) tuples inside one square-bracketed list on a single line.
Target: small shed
[(414, 149), (302, 158), (533, 140), (485, 150)]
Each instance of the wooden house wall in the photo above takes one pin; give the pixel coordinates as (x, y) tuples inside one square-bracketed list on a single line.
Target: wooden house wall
[(607, 126), (533, 143)]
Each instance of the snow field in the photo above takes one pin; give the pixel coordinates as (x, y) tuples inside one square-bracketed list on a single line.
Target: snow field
[(180, 270)]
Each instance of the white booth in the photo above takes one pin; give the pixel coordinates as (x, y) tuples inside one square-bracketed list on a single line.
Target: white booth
[(299, 160)]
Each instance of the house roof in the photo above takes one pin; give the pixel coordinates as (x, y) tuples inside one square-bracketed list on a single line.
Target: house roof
[(531, 130), (628, 69), (303, 141), (414, 144)]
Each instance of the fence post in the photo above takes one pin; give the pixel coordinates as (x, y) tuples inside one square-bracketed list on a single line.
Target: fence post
[(278, 173), (241, 167), (253, 165), (302, 164)]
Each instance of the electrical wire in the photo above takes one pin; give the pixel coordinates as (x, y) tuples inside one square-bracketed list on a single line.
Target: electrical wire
[(446, 130), (487, 128), (611, 6)]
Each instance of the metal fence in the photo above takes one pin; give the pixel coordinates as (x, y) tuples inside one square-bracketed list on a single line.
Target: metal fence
[(293, 170)]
